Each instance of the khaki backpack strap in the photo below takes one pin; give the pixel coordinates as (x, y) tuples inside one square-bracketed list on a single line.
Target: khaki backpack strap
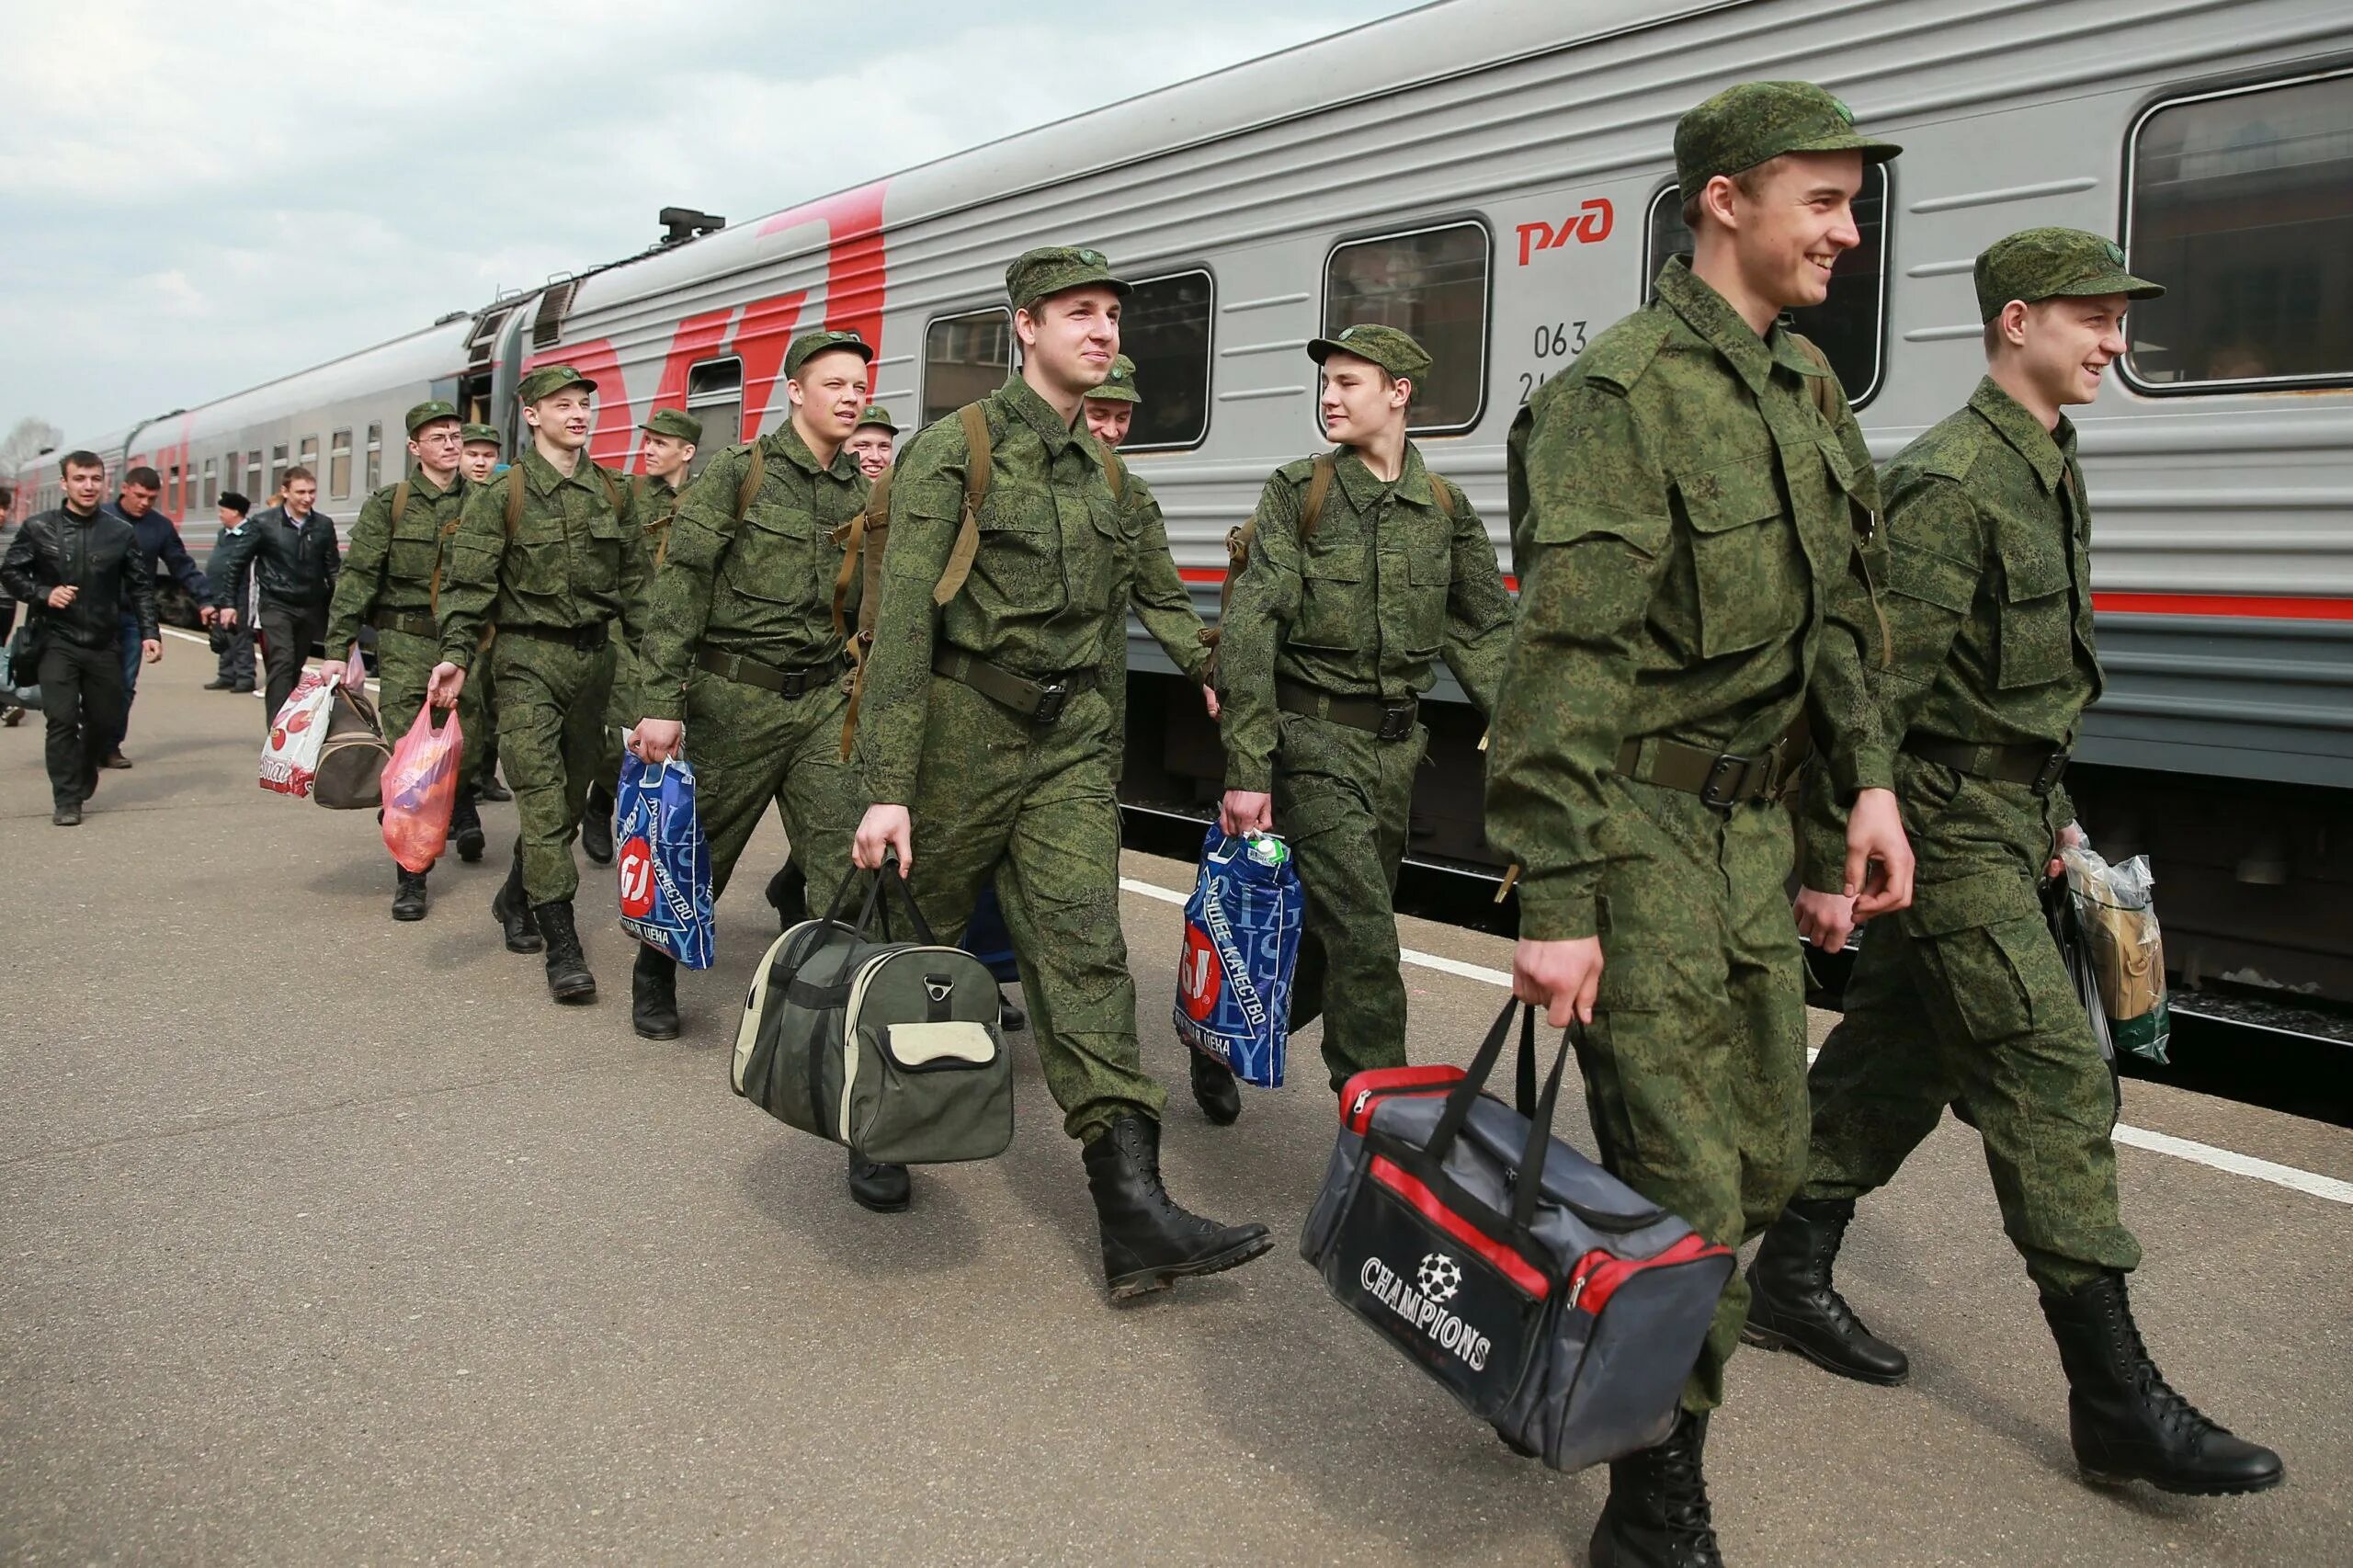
[(612, 489), (976, 490), (1319, 488), (1824, 388), (400, 502), (1116, 473), (1445, 494), (852, 553), (513, 498), (755, 475), (859, 535)]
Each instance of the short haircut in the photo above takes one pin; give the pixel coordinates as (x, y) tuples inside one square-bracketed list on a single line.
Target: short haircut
[(298, 472), (81, 457), (235, 503), (1750, 180), (146, 478)]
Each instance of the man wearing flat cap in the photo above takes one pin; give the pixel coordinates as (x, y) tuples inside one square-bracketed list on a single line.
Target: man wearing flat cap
[(986, 737), (387, 582), (1365, 569), (552, 554), (1690, 503), (1964, 997), (742, 665), (871, 442)]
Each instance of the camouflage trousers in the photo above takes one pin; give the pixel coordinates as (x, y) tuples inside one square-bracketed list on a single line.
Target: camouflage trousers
[(1964, 998), (750, 746), (404, 665), (1032, 806), (1695, 1064), (551, 700), (622, 710), (1342, 800)]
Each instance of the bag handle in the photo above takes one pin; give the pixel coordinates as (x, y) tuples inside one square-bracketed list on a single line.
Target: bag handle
[(888, 875), (1530, 1181)]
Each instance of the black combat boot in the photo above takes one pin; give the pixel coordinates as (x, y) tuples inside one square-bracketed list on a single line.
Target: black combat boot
[(490, 788), (513, 912), (568, 976), (1793, 1306), (1009, 1015), (787, 894), (883, 1188), (1215, 1091), (1658, 1514), (465, 827), (409, 897), (1149, 1241), (596, 825), (2125, 1423), (654, 995)]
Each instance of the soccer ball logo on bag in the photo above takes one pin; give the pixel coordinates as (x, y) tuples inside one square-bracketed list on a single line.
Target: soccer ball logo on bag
[(1441, 1277)]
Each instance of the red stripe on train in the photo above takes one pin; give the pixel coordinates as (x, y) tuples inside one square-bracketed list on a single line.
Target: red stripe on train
[(1217, 575), (2261, 606)]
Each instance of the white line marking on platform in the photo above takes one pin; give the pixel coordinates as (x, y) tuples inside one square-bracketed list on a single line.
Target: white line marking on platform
[(187, 636), (2199, 1154)]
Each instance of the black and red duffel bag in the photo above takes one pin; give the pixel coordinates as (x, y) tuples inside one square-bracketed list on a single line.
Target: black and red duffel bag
[(1553, 1299)]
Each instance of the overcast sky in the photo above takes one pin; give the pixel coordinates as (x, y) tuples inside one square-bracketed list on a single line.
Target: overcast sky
[(196, 197)]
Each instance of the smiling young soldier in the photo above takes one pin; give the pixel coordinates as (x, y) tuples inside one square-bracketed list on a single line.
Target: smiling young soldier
[(1964, 997), (477, 706), (1684, 509), (871, 442), (387, 582), (742, 660), (669, 446), (1364, 569), (552, 552), (985, 737)]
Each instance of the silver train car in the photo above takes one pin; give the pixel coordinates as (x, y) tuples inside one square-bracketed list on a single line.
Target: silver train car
[(1495, 176)]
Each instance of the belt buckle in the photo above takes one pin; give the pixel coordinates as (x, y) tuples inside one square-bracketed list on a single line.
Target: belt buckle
[(1396, 721), (1728, 770), (1052, 696), (2053, 769)]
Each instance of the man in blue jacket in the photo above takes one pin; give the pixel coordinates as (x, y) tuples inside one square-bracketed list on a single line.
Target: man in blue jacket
[(164, 555)]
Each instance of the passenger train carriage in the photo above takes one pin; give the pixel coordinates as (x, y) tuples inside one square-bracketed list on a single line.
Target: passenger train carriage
[(1496, 178)]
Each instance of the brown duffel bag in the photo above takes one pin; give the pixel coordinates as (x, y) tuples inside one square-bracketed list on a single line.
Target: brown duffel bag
[(352, 758)]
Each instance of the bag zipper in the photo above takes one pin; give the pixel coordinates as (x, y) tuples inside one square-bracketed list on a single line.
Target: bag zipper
[(1599, 1275), (1365, 1090)]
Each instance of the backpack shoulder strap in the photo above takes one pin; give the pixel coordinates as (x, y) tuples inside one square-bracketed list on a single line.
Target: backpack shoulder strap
[(1319, 489), (400, 502), (756, 474), (514, 477), (612, 489), (857, 534), (976, 490), (1116, 471), (1445, 494), (1824, 388)]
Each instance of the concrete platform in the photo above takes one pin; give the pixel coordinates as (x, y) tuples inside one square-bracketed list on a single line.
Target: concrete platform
[(328, 1240)]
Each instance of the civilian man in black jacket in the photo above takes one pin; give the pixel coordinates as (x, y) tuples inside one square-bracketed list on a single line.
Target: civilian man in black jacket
[(296, 558), (167, 557), (234, 640), (82, 574)]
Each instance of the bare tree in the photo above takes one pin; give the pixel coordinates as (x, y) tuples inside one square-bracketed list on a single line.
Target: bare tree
[(26, 439)]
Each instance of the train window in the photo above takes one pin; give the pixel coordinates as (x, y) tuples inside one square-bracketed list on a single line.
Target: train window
[(1164, 328), (212, 484), (715, 396), (278, 466), (171, 496), (254, 490), (375, 480), (1850, 326), (2242, 206), (339, 464), (1433, 284), (965, 357), (310, 456)]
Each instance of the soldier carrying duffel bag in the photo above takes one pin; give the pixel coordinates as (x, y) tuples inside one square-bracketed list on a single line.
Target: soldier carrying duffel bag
[(888, 1046), (1553, 1299)]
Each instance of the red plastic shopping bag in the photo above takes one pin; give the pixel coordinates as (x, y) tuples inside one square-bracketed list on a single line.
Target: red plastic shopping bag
[(421, 789)]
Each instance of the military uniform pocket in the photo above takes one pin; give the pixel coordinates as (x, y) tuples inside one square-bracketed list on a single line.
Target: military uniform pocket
[(1333, 608), (411, 560), (1752, 586), (2038, 630), (773, 559), (1982, 936), (534, 565), (600, 555)]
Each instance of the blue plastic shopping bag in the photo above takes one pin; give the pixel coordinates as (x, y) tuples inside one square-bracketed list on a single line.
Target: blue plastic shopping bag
[(664, 861), (1241, 930)]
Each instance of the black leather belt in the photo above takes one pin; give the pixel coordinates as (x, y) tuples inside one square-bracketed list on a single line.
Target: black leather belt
[(587, 639), (1382, 719), (2039, 767), (1720, 779), (1040, 701), (413, 623), (788, 684)]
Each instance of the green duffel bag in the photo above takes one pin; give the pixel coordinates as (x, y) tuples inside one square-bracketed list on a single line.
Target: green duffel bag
[(890, 1047)]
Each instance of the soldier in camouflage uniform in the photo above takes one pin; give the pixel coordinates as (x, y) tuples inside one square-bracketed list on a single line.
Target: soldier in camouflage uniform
[(1964, 996), (671, 435), (478, 460), (741, 646), (1330, 638), (390, 568), (1685, 507), (871, 442), (553, 582), (987, 745)]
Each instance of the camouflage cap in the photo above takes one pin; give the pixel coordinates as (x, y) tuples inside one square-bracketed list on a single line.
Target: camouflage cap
[(875, 414), (474, 433), (1743, 125), (1048, 271), (675, 422), (1119, 386), (2043, 263), (1393, 350), (550, 379), (429, 411), (809, 345)]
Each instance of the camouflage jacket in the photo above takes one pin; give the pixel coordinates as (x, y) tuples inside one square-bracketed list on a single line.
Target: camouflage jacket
[(1684, 520), (389, 566), (1045, 584), (761, 587), (1387, 583), (657, 503), (572, 559), (1154, 588)]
